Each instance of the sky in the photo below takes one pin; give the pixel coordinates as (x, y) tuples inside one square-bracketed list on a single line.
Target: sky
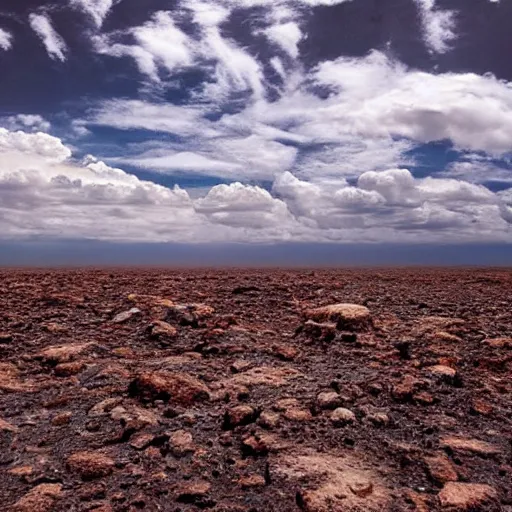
[(302, 124)]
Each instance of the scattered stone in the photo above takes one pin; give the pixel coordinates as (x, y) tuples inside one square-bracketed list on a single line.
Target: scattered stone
[(159, 329), (263, 376), (403, 392), (444, 373), (361, 488), (178, 387), (286, 403), (7, 427), (141, 441), (296, 414), (481, 407), (349, 317), (440, 469), (126, 315), (342, 416), (69, 369), (462, 496), (192, 315), (329, 400), (104, 407), (423, 398), (252, 481), (378, 419), (192, 492), (21, 471), (61, 419), (5, 338), (240, 366), (322, 331), (90, 465), (459, 444), (268, 419), (285, 352), (181, 443), (239, 415), (62, 353), (40, 499), (261, 444)]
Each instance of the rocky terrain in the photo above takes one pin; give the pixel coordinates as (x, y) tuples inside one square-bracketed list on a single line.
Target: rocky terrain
[(272, 390)]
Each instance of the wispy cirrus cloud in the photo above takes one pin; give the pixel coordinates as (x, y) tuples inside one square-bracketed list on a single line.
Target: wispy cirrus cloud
[(55, 45)]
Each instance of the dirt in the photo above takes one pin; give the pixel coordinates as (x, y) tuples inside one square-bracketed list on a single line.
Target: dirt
[(229, 390)]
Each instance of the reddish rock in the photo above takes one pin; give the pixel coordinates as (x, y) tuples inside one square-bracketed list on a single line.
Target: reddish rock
[(40, 499), (440, 469), (252, 481), (329, 400), (178, 387), (239, 415), (181, 443), (481, 407), (64, 418), (460, 444), (457, 496), (285, 352), (192, 492), (350, 317), (69, 369), (90, 464), (342, 416)]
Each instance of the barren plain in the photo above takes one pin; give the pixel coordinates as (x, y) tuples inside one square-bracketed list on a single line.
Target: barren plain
[(256, 390)]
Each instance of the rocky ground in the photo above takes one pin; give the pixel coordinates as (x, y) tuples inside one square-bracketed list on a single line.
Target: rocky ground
[(240, 391)]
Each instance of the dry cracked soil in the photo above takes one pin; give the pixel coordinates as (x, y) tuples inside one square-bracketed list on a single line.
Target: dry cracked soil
[(256, 390)]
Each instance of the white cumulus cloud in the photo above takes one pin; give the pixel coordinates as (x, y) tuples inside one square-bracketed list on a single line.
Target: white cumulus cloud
[(5, 39)]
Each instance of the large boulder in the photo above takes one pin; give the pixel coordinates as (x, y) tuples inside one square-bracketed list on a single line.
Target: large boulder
[(348, 317)]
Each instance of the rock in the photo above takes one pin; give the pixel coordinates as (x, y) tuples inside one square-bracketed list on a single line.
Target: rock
[(40, 499), (192, 492), (134, 418), (69, 369), (5, 338), (361, 488), (90, 465), (240, 366), (329, 400), (126, 315), (141, 441), (62, 353), (159, 329), (342, 416), (423, 398), (444, 373), (7, 427), (348, 317), (103, 407), (321, 331), (268, 419), (263, 376), (260, 444), (481, 407), (181, 443), (462, 496), (403, 392), (459, 444), (192, 315), (285, 352), (440, 469), (239, 415), (63, 418), (378, 419), (296, 414), (499, 342), (178, 387), (252, 481), (286, 403)]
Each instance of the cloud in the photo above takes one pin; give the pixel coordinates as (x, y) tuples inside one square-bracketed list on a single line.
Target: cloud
[(438, 26), (34, 123), (53, 42), (287, 36), (5, 39), (96, 9), (159, 43), (479, 171), (43, 192)]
